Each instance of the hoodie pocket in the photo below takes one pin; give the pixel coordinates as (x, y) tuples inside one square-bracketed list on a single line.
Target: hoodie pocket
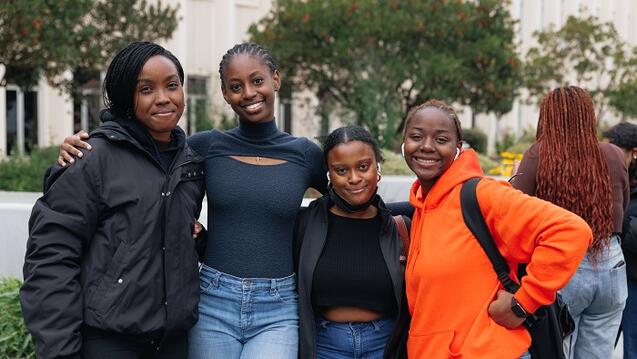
[(431, 345)]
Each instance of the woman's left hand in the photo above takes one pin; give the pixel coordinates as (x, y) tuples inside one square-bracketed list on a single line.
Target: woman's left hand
[(197, 229), (500, 311)]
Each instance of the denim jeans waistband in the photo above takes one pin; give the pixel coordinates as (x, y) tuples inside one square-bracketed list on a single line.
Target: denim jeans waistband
[(608, 257), (377, 324), (216, 277)]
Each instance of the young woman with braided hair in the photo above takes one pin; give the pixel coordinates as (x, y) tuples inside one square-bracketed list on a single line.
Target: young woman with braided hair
[(458, 306), (570, 168)]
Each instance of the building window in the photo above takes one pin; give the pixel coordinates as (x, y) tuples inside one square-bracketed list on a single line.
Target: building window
[(198, 112), (22, 120)]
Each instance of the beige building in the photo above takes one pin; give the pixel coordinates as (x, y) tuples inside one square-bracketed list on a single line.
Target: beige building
[(43, 116)]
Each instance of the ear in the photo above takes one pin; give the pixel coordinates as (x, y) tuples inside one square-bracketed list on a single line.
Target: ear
[(224, 93), (276, 78)]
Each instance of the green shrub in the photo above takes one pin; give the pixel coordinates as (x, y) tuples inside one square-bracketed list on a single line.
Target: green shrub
[(476, 139), (15, 340), (394, 164), (25, 173)]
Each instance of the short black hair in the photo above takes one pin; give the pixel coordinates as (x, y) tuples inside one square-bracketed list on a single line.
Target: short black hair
[(441, 106), (623, 134), (248, 48), (120, 81), (348, 134)]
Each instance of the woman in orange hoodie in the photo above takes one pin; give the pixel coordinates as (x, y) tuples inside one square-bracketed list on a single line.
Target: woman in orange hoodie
[(458, 307)]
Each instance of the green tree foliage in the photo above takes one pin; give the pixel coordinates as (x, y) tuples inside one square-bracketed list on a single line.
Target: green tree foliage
[(375, 59), (36, 37), (50, 37), (587, 53)]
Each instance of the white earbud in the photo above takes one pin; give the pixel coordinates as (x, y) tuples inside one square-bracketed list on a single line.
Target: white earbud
[(328, 177), (402, 149), (457, 153)]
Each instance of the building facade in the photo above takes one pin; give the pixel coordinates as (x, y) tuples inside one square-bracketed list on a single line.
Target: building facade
[(43, 116)]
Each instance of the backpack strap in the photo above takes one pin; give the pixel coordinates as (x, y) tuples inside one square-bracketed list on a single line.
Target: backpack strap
[(475, 222), (404, 236)]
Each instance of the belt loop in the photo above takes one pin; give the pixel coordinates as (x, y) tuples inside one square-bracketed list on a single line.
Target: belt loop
[(215, 279), (376, 325), (273, 286)]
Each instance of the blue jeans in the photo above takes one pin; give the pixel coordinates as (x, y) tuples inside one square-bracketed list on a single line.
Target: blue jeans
[(596, 296), (629, 322), (365, 340), (245, 318)]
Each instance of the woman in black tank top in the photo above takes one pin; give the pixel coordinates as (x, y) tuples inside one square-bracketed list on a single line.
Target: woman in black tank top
[(351, 286)]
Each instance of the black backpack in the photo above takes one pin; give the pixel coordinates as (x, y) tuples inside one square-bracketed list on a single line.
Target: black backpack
[(551, 323)]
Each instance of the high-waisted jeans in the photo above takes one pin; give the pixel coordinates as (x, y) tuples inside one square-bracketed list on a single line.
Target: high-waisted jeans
[(364, 340), (244, 318), (596, 296)]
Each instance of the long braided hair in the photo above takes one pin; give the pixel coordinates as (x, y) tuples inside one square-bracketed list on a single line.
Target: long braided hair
[(250, 49), (572, 172)]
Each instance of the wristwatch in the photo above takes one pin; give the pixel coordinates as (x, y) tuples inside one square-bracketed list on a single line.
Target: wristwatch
[(517, 309)]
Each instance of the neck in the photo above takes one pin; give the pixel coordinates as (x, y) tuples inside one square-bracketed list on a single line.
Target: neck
[(257, 130)]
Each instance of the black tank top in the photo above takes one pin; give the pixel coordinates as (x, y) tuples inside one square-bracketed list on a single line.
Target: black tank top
[(351, 271)]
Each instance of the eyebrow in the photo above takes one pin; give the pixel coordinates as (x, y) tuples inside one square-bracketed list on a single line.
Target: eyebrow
[(436, 131), (169, 77), (252, 74)]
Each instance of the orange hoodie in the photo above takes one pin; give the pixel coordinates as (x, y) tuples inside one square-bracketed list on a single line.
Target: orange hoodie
[(450, 280)]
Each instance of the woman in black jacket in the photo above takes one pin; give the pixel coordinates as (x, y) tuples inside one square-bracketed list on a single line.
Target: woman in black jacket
[(111, 269), (349, 259), (624, 135)]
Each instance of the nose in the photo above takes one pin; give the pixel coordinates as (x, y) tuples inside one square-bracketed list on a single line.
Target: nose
[(249, 92), (354, 177), (427, 145), (162, 97)]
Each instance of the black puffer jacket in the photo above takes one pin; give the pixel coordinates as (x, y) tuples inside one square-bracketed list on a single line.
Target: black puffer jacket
[(110, 245), (310, 236), (629, 236)]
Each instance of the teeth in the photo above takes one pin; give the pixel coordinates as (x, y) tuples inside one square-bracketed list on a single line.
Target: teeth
[(425, 161), (254, 106)]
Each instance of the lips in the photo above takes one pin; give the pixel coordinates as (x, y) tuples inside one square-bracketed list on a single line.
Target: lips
[(356, 190), (163, 114)]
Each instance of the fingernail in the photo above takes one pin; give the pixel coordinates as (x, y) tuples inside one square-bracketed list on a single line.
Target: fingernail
[(80, 154), (71, 160), (89, 147)]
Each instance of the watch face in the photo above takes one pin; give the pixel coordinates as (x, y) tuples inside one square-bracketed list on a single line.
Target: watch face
[(517, 309)]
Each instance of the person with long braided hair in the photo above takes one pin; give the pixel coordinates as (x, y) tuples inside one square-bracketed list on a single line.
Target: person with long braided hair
[(624, 135), (570, 168)]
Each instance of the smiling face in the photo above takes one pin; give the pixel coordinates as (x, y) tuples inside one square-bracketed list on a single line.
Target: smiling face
[(159, 97), (249, 88), (431, 142), (353, 171)]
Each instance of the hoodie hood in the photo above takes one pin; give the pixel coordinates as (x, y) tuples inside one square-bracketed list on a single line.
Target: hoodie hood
[(464, 167)]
